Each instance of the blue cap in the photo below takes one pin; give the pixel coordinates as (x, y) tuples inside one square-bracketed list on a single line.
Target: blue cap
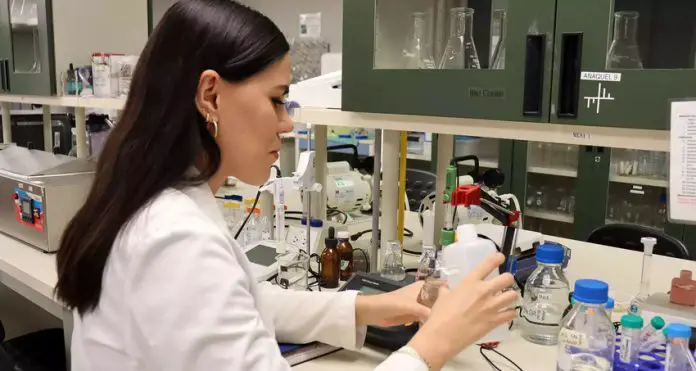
[(361, 137), (345, 136), (677, 330), (591, 291), (610, 304), (314, 223), (550, 254)]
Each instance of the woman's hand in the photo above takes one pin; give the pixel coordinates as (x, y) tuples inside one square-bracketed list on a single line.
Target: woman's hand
[(391, 309), (466, 313)]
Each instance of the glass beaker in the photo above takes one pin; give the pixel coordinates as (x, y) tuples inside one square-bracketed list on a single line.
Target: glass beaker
[(460, 52), (624, 52), (417, 54), (498, 40)]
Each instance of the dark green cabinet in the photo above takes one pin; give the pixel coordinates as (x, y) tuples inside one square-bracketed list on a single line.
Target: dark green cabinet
[(613, 63), (26, 47), (512, 83)]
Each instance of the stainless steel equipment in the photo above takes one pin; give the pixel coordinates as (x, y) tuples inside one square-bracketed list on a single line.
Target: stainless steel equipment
[(39, 193)]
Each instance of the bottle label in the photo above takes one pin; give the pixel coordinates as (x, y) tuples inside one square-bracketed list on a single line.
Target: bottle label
[(573, 338), (625, 348), (539, 310), (344, 264)]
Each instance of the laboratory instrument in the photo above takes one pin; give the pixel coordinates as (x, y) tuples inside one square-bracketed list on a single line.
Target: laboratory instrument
[(42, 193), (329, 262), (652, 334), (392, 261), (545, 296), (648, 246), (630, 339), (460, 52), (679, 357), (624, 52), (587, 336), (391, 338), (498, 56), (318, 92), (345, 254), (417, 54)]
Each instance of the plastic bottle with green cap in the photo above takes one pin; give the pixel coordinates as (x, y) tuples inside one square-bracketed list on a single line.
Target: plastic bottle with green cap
[(629, 344), (652, 336)]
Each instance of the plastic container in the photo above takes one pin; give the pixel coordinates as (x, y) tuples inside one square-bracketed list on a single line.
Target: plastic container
[(678, 356), (545, 297), (629, 344), (652, 334), (610, 307), (587, 336)]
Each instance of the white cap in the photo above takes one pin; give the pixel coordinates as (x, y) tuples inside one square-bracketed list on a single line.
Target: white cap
[(343, 234), (467, 232), (648, 244)]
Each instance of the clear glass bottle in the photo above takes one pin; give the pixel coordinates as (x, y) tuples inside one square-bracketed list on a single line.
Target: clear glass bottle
[(460, 52), (392, 262), (427, 263), (418, 54), (498, 56), (545, 297), (587, 336), (431, 287), (678, 357), (624, 52)]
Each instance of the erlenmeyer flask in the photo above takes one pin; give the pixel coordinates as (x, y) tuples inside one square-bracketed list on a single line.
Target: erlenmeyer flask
[(460, 52), (623, 52), (498, 57), (417, 54)]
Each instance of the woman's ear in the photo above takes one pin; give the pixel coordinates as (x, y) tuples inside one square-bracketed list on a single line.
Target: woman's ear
[(207, 94)]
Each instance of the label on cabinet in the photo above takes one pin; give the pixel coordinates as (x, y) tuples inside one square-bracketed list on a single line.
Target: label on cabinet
[(601, 76), (310, 26)]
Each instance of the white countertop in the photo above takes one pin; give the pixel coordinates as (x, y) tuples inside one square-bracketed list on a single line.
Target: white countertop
[(32, 273)]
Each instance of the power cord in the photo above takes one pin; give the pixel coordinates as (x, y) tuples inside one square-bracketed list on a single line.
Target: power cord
[(491, 348)]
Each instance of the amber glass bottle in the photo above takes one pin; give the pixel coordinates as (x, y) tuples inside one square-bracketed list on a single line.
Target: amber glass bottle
[(345, 251), (330, 262)]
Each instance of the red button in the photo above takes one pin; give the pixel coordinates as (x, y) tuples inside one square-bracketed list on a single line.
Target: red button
[(15, 196)]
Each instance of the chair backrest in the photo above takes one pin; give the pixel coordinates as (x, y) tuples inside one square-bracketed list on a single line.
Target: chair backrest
[(627, 236)]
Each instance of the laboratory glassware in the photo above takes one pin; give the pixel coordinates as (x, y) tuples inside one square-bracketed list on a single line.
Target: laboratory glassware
[(426, 263), (624, 52), (678, 357), (652, 335), (648, 245), (345, 252), (587, 336), (392, 262), (629, 343), (609, 307), (460, 52), (329, 260), (545, 297), (498, 56), (418, 54), (435, 278)]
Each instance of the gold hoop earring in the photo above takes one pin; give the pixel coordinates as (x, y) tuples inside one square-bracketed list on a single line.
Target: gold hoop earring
[(215, 128)]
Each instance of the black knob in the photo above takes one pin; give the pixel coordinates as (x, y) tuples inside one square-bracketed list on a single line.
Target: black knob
[(493, 178)]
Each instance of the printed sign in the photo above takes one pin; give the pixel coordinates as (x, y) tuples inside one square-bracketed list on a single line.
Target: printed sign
[(602, 95), (601, 76)]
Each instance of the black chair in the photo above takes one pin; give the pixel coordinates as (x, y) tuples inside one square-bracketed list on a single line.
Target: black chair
[(627, 236), (38, 351)]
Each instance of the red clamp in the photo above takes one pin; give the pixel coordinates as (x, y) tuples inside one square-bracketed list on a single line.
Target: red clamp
[(467, 195), (514, 217)]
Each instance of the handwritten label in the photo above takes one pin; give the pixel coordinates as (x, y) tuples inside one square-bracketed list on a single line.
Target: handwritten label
[(625, 349), (584, 136), (573, 338), (600, 76)]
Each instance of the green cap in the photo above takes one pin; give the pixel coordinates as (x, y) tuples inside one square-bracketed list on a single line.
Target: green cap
[(632, 321), (572, 300), (657, 322)]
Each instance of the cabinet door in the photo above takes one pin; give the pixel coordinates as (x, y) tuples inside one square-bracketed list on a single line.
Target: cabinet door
[(619, 62), (31, 68), (478, 59)]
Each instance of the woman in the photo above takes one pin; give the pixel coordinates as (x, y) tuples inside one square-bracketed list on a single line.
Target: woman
[(148, 265)]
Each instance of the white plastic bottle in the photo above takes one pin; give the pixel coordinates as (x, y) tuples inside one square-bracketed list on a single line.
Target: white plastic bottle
[(461, 257)]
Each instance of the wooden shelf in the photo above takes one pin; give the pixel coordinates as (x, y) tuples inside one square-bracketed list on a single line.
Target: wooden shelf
[(552, 171), (549, 215), (652, 182)]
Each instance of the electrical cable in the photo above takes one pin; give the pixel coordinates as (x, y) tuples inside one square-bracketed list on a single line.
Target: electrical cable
[(256, 200), (356, 236), (490, 362), (367, 259)]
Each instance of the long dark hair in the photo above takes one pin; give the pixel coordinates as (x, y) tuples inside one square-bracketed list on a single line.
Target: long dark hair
[(161, 134)]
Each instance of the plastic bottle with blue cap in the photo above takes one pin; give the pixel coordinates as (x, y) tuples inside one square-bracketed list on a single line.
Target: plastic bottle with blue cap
[(678, 357), (610, 307), (545, 297), (587, 336)]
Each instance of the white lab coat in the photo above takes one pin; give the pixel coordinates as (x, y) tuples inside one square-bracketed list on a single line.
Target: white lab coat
[(178, 295)]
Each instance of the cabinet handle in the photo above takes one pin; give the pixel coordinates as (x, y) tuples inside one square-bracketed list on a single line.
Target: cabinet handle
[(3, 83), (569, 84), (534, 75), (6, 71)]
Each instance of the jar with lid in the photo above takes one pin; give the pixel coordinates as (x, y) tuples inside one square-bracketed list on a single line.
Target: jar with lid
[(329, 269), (345, 252)]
